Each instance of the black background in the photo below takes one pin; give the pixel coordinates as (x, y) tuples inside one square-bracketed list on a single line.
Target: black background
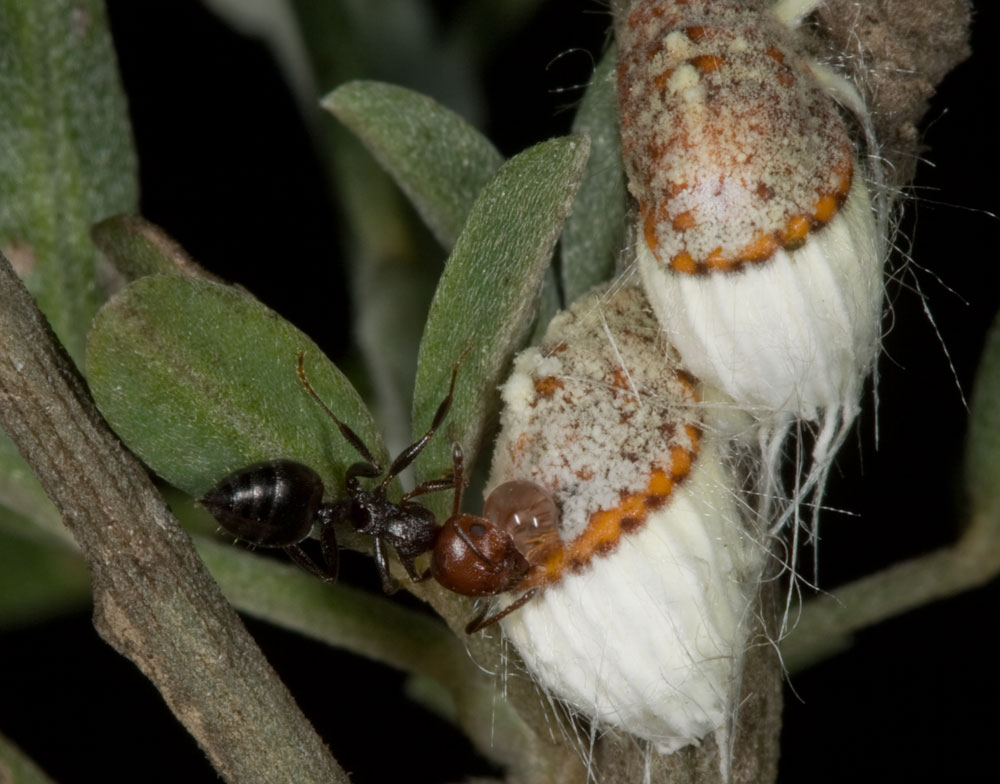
[(227, 169)]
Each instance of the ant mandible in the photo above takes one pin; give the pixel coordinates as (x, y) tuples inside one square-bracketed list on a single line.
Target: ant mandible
[(276, 503)]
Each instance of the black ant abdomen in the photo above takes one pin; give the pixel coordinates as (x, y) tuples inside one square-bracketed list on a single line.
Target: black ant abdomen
[(275, 504), (271, 504)]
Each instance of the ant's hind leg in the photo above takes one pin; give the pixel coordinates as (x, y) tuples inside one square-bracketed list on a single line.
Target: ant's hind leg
[(328, 546), (303, 559), (411, 569)]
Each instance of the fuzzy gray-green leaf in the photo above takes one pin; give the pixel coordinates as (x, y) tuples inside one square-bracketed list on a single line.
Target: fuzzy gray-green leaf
[(437, 159), (595, 231), (982, 460), (38, 580), (136, 247), (488, 293), (20, 490), (200, 379), (66, 157)]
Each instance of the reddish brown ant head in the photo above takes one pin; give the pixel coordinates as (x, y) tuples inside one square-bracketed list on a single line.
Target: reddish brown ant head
[(475, 558), (484, 556)]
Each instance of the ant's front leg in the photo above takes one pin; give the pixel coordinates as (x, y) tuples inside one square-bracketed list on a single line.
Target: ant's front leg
[(481, 621), (408, 455)]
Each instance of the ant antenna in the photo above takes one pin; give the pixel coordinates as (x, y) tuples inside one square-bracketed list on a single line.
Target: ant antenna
[(458, 475)]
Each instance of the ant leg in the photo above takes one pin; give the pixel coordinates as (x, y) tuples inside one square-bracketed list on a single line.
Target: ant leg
[(349, 435), (389, 584), (300, 557), (408, 455), (411, 569), (472, 546), (481, 621), (328, 542), (431, 486)]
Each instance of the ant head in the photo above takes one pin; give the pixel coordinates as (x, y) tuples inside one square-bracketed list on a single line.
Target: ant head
[(483, 556), (474, 557)]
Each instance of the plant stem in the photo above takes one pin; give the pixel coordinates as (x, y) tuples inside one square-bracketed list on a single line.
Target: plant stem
[(828, 622), (154, 601), (380, 630)]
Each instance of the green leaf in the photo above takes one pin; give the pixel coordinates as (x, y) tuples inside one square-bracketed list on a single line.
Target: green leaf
[(488, 294), (982, 457), (200, 380), (377, 628), (394, 263), (396, 41), (367, 624), (437, 159), (595, 231), (17, 768), (20, 491), (38, 580), (136, 247), (441, 163), (67, 159)]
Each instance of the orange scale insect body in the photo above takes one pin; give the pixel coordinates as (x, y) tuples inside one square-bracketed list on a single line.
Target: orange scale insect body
[(756, 239), (638, 607)]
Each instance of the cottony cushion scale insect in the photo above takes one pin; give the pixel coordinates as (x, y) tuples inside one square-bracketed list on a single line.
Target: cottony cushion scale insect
[(642, 606), (756, 237)]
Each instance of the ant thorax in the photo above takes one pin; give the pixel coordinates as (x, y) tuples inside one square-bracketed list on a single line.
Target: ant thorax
[(639, 616)]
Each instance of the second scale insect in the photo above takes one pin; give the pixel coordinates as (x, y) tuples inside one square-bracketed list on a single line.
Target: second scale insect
[(276, 503)]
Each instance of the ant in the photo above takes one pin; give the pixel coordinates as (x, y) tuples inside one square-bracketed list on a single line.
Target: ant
[(276, 503)]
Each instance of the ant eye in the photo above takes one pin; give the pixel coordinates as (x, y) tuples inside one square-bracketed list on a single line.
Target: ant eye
[(477, 529)]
